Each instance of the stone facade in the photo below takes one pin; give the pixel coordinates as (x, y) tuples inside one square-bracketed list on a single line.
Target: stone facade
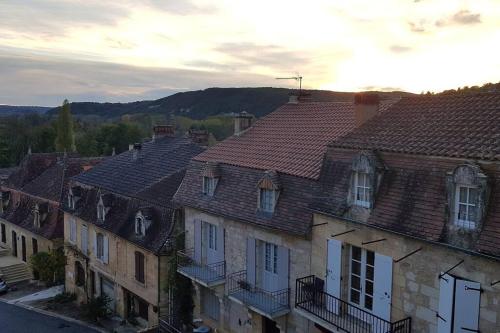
[(120, 270), (415, 280), (235, 317)]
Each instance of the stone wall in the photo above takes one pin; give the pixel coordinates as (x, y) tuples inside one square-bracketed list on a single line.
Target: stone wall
[(236, 234), (415, 282)]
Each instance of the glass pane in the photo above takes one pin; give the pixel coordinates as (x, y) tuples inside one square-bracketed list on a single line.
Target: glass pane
[(370, 258), (356, 253), (369, 273), (463, 194), (355, 282), (356, 267), (368, 302), (354, 296), (472, 213), (275, 261), (369, 288), (462, 212), (473, 196)]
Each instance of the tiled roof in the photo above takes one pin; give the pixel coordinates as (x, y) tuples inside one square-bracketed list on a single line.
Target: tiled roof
[(155, 162), (236, 197), (32, 166), (290, 140), (464, 126)]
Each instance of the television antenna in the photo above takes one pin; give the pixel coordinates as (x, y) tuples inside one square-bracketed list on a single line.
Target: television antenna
[(296, 78)]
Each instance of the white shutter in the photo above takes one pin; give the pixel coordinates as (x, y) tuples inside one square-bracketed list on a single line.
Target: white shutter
[(333, 273), (84, 239), (105, 258), (382, 289), (94, 243), (467, 300), (197, 241), (445, 312)]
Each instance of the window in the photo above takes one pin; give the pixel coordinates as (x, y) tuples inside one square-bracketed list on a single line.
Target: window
[(140, 228), (100, 246), (80, 274), (36, 218), (4, 235), (466, 202), (271, 258), (209, 184), (267, 200), (212, 236), (72, 231), (361, 281), (139, 266), (100, 212), (71, 201), (34, 245), (84, 239), (362, 189)]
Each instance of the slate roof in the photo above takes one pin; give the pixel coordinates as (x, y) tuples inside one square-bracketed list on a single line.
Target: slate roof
[(156, 161), (31, 167), (463, 126), (290, 140)]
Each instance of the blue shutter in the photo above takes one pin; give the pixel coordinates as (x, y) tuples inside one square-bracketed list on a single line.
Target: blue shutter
[(220, 243), (283, 271), (197, 241), (251, 261)]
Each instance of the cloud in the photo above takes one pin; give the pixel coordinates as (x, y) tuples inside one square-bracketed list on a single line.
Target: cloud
[(33, 79), (462, 17), (417, 26), (378, 88), (181, 7), (400, 48)]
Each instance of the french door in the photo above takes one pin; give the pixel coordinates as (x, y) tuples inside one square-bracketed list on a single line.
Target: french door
[(361, 279), (270, 264)]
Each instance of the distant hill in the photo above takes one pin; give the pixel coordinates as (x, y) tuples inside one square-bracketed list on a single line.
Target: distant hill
[(7, 110), (200, 104)]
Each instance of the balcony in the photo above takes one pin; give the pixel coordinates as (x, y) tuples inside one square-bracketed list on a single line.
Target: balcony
[(208, 275), (268, 304), (326, 310)]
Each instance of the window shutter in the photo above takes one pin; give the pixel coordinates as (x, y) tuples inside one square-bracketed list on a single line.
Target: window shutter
[(197, 241), (283, 272), (333, 272), (94, 243), (220, 243), (445, 312), (105, 258), (467, 300), (251, 261), (137, 265), (84, 239), (382, 290)]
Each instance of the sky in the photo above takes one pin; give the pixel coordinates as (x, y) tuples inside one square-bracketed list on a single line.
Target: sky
[(127, 50)]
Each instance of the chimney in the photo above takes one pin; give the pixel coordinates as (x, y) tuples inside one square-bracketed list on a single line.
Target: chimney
[(293, 98), (136, 150), (162, 131), (199, 136), (242, 121), (366, 106)]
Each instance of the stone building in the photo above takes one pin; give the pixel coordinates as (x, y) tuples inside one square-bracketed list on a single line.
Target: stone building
[(118, 219), (407, 222), (30, 216), (247, 217)]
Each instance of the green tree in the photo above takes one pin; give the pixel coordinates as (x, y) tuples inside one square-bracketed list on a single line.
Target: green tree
[(49, 265), (65, 140)]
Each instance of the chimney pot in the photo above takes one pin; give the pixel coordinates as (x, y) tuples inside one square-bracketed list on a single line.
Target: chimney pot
[(366, 106)]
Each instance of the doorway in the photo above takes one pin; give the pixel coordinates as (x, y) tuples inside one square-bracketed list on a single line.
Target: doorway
[(23, 248), (269, 326), (14, 243)]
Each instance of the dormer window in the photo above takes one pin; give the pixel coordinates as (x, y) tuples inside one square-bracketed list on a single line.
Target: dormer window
[(362, 189), (36, 217), (140, 227), (209, 184), (101, 210), (366, 175), (269, 188), (466, 204), (468, 191), (71, 201)]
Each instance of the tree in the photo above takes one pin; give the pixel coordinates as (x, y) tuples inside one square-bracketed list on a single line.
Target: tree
[(65, 140), (49, 265)]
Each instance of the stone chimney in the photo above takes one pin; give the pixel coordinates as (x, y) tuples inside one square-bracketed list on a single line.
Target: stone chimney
[(199, 136), (366, 106), (162, 131), (242, 121), (136, 150)]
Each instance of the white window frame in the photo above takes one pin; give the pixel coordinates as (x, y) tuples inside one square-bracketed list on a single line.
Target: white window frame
[(72, 230), (267, 200), (365, 187), (140, 227), (212, 236), (271, 258), (465, 223), (363, 279), (209, 184)]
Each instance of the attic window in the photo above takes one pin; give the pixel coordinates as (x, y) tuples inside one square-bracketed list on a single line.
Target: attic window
[(36, 217), (211, 175), (101, 211), (366, 175), (269, 188), (267, 200), (209, 184), (466, 204), (71, 201), (140, 227), (362, 189)]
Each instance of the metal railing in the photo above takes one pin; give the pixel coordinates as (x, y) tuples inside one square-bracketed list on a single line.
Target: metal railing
[(268, 302), (310, 297), (207, 273), (167, 326)]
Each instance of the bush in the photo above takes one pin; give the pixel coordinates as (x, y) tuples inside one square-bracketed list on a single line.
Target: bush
[(49, 266), (97, 307), (65, 297)]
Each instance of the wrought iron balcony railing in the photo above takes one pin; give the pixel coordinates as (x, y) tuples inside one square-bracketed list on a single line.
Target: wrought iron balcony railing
[(344, 316), (269, 304), (205, 274)]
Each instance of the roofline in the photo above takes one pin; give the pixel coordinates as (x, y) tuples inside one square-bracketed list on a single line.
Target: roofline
[(473, 253)]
